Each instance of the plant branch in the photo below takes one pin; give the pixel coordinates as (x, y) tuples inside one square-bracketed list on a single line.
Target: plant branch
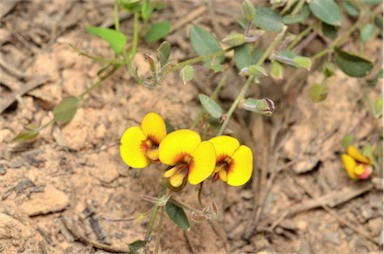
[(152, 219)]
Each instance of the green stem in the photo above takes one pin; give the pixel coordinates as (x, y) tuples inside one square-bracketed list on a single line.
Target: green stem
[(250, 80), (100, 81), (300, 36), (152, 219), (133, 50), (234, 104), (160, 227), (298, 7), (98, 59), (337, 42), (116, 16)]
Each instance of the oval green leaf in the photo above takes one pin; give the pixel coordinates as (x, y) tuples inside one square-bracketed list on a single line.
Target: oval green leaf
[(267, 19), (210, 106), (378, 107), (203, 42), (186, 74), (135, 246), (158, 30), (66, 109), (277, 70), (302, 62), (26, 135), (241, 56), (116, 40), (164, 52), (327, 11), (329, 31), (301, 17), (177, 215), (318, 92), (350, 8), (367, 32), (352, 64)]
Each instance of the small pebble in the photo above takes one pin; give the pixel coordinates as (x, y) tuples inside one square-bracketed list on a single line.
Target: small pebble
[(2, 170)]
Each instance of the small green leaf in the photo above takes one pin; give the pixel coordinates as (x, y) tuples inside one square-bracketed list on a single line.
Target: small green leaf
[(352, 64), (301, 17), (379, 22), (329, 69), (327, 11), (329, 31), (116, 40), (130, 5), (186, 74), (241, 56), (164, 52), (302, 62), (350, 8), (158, 31), (135, 246), (210, 106), (371, 2), (367, 32), (318, 92), (66, 109), (177, 215), (146, 10), (203, 42), (267, 19), (277, 70), (26, 135), (347, 140), (378, 107), (214, 65)]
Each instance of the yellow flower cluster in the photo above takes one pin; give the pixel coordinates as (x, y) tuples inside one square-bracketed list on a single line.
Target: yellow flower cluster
[(357, 165), (189, 158)]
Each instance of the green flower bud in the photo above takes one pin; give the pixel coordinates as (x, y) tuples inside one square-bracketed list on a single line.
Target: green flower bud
[(248, 10), (234, 40), (262, 106)]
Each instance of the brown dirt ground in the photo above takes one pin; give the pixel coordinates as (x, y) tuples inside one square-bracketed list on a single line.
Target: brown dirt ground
[(54, 189)]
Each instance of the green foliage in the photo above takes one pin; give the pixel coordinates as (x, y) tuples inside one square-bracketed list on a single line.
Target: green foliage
[(26, 135), (327, 11), (378, 107), (203, 42), (146, 10), (177, 215), (267, 19), (301, 17), (352, 64), (347, 140), (367, 32), (116, 40), (164, 52), (277, 70), (329, 31), (186, 74), (158, 31), (210, 106), (318, 92), (66, 109), (137, 245), (350, 8)]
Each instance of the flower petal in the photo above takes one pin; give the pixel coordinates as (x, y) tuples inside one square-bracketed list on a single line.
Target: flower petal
[(224, 145), (203, 163), (241, 167), (177, 144), (349, 165), (153, 126), (132, 149), (355, 154)]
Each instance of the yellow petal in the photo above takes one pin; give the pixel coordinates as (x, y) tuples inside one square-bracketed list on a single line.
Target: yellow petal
[(153, 153), (177, 179), (176, 145), (359, 169), (170, 172), (132, 149), (349, 164), (354, 153), (223, 175), (240, 170), (203, 163), (224, 145), (153, 126)]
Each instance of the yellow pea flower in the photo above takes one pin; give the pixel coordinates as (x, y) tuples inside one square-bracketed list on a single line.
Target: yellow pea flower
[(188, 157), (357, 165), (139, 146), (234, 163)]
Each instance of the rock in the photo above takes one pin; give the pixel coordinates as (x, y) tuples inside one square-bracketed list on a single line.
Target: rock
[(49, 201), (13, 234), (106, 169), (2, 169), (375, 226), (332, 238)]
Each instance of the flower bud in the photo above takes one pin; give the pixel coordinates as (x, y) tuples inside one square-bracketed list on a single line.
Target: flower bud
[(253, 70), (248, 10), (234, 40), (262, 106)]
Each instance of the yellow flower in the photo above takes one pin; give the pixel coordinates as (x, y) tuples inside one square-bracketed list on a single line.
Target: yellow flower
[(357, 165), (234, 163), (189, 157), (139, 146)]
